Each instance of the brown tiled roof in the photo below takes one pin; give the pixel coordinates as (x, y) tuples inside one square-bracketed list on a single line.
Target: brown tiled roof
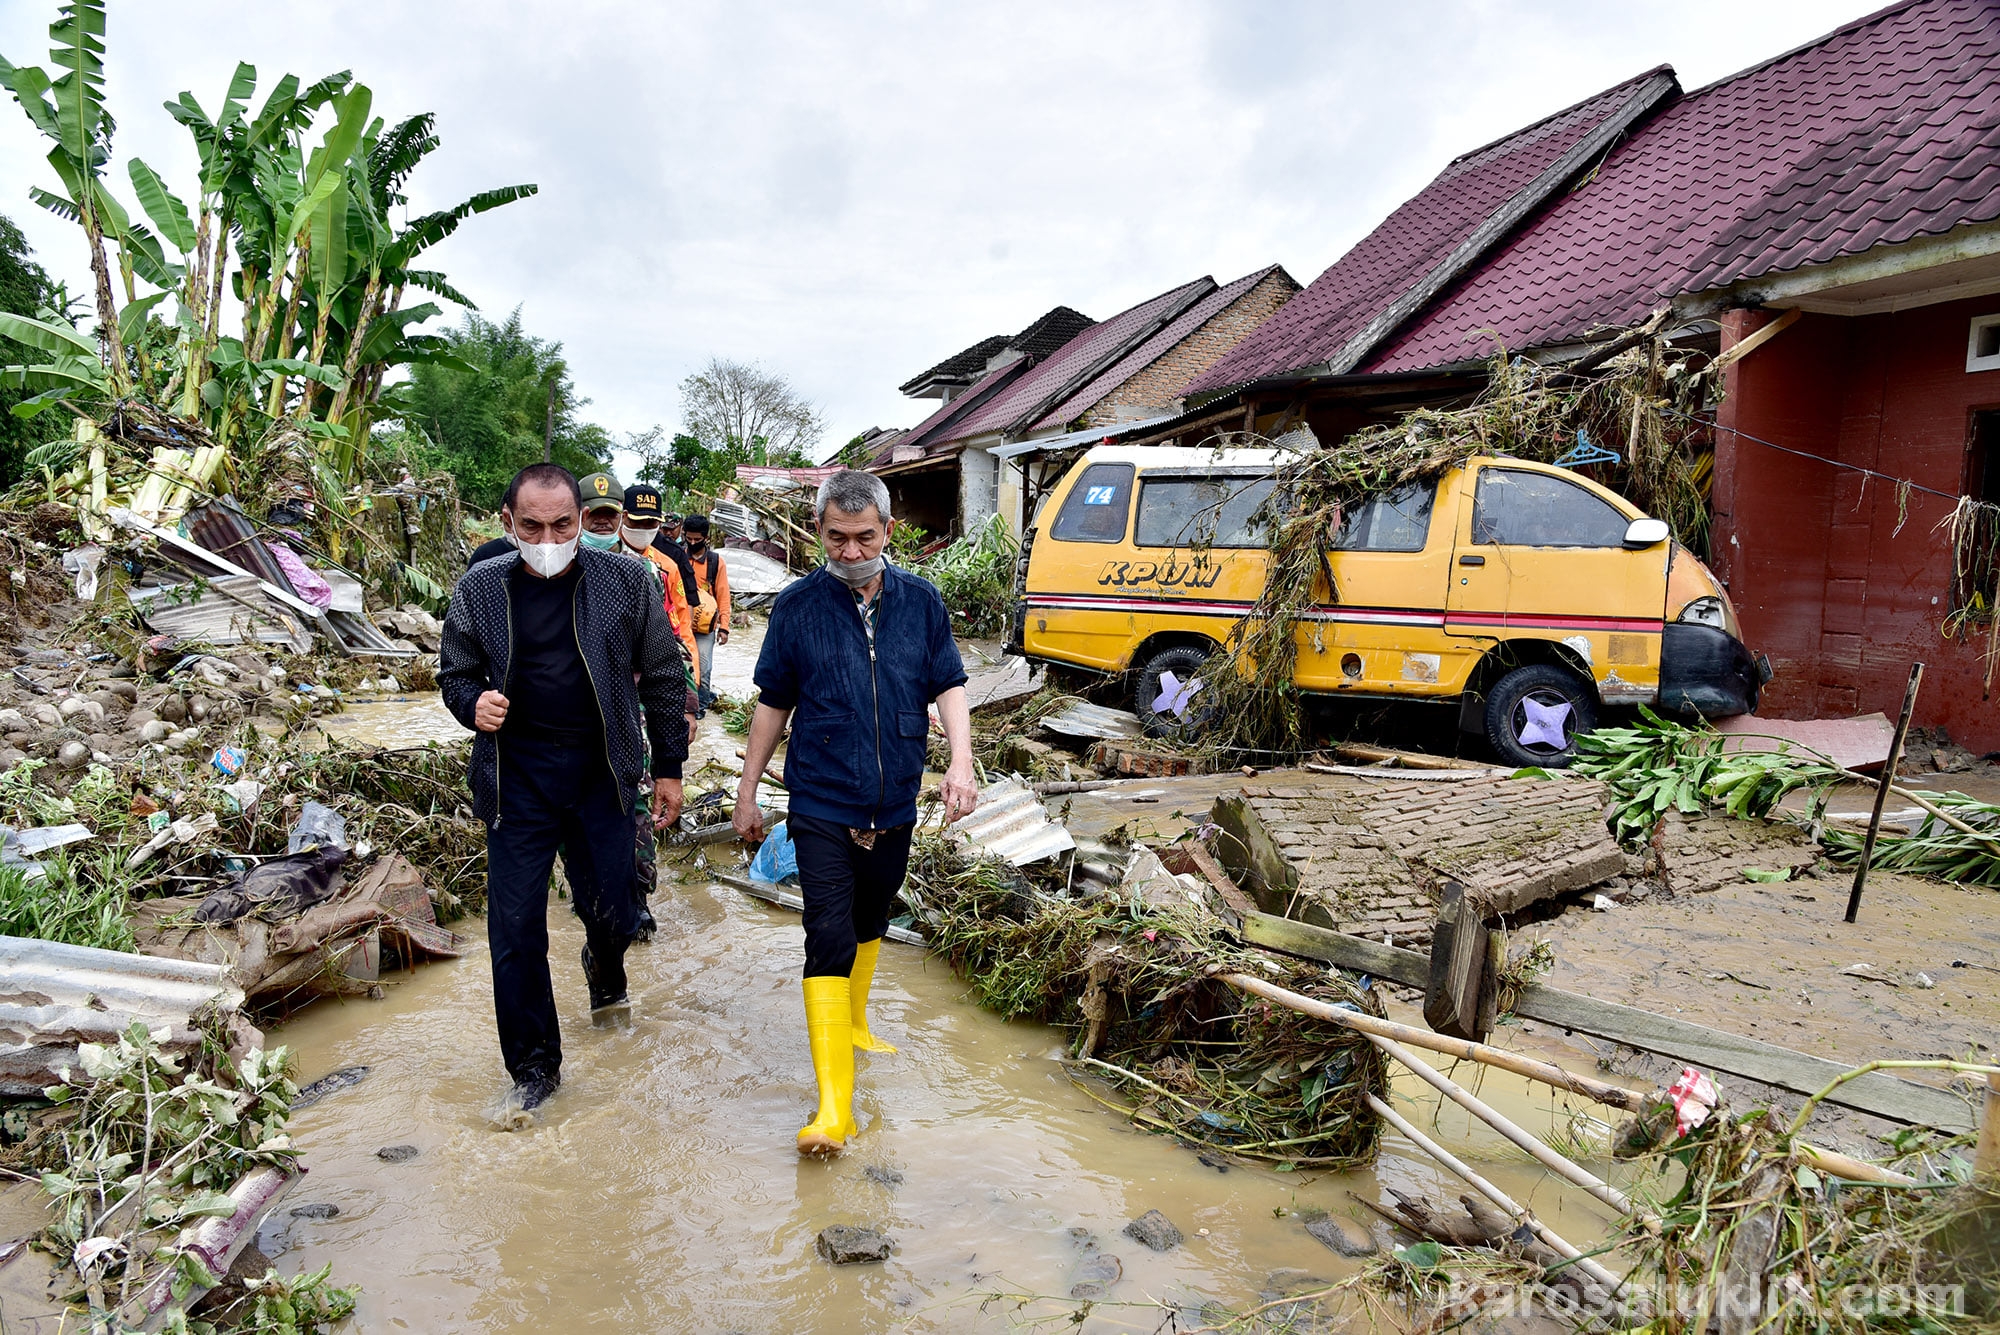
[(1022, 403), (1885, 130), (1156, 347), (1423, 234)]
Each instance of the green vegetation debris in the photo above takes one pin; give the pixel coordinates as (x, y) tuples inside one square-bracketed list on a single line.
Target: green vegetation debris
[(1192, 1057)]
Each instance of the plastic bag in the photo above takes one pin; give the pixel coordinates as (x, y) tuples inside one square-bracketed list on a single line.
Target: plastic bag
[(317, 825), (279, 889), (777, 859)]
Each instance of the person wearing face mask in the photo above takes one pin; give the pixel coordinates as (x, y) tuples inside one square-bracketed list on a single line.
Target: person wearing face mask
[(548, 655), (504, 544), (711, 606), (639, 526), (603, 514), (854, 656), (669, 541), (603, 502)]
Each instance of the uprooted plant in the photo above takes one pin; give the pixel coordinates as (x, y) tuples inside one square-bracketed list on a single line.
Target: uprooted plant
[(1193, 1057), (151, 1149), (1658, 766)]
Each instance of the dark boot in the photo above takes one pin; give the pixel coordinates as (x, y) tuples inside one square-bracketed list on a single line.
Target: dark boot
[(535, 1088), (646, 924), (605, 977)]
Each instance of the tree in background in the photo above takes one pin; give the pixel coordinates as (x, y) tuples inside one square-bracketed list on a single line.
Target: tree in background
[(24, 289), (493, 406), (727, 405), (731, 414)]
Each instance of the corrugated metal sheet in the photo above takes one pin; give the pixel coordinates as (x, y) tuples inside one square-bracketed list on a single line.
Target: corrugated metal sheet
[(1088, 720), (234, 608), (1011, 822), (54, 996)]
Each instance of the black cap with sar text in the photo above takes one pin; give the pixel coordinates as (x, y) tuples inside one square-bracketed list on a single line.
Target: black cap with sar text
[(642, 502)]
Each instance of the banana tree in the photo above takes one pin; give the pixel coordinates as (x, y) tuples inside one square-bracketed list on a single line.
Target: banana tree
[(69, 110)]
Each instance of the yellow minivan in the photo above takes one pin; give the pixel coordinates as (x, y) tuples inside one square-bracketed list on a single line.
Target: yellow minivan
[(1532, 595)]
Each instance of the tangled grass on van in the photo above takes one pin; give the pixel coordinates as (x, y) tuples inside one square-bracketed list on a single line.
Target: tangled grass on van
[(1194, 1059), (1643, 400)]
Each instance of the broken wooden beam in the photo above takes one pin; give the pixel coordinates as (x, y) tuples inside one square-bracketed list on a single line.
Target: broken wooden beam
[(1612, 1096), (1878, 1093)]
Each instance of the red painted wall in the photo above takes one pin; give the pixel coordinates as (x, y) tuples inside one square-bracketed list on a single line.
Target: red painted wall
[(1842, 590)]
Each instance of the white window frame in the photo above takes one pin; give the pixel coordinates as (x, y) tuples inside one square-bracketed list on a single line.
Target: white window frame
[(1973, 361)]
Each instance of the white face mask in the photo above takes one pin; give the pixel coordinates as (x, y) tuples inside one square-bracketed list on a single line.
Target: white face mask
[(638, 539), (854, 574), (548, 559)]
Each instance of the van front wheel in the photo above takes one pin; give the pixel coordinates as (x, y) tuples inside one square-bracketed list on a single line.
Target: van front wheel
[(1535, 714), (1181, 713)]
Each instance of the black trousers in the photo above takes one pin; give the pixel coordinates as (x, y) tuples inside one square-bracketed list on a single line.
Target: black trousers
[(847, 889), (551, 797)]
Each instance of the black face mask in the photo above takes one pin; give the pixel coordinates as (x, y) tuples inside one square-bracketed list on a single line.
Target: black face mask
[(696, 544)]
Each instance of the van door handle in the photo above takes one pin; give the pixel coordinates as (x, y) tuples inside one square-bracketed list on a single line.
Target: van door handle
[(1472, 560)]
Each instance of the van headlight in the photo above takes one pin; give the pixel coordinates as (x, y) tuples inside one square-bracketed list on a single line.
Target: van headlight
[(1705, 612)]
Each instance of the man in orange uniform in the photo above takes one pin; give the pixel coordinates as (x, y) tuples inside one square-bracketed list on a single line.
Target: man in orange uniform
[(711, 577), (641, 525)]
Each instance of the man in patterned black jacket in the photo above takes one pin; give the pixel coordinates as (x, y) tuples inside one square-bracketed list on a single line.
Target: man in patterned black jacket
[(541, 650)]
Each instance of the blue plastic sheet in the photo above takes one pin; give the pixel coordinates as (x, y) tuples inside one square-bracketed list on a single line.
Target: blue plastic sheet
[(778, 859)]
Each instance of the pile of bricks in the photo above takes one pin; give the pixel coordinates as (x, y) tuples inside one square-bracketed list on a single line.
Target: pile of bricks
[(1366, 855)]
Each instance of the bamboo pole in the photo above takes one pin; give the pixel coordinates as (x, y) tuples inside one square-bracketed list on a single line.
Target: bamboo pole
[(1548, 1073), (1986, 1159), (1492, 1193), (1835, 1164), (1882, 791), (1561, 1165)]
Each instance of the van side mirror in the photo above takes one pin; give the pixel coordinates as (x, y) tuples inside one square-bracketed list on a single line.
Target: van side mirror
[(1644, 533)]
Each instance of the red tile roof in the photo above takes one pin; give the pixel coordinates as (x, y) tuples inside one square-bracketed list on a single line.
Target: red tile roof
[(938, 426), (1154, 348), (1019, 405), (1885, 130), (1412, 241)]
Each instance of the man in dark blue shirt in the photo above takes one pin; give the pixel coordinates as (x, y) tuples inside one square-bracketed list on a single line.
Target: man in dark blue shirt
[(854, 656)]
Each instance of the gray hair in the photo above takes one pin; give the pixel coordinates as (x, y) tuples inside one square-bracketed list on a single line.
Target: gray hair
[(851, 491)]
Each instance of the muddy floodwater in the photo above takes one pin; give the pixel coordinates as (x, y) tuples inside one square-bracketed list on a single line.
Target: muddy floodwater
[(660, 1190)]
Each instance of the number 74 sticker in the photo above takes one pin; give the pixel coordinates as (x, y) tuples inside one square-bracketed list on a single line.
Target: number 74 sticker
[(1100, 495)]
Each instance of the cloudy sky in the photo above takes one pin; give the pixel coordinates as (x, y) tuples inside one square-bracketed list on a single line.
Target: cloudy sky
[(847, 192)]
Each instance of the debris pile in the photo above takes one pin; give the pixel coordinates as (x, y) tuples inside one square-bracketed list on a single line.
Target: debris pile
[(1136, 983)]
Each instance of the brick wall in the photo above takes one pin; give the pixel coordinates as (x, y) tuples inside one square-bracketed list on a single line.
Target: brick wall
[(1159, 385), (1841, 581)]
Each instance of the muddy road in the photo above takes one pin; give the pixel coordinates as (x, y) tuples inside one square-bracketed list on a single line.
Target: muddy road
[(662, 1191)]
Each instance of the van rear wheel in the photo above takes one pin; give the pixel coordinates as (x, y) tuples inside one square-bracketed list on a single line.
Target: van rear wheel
[(1179, 715), (1535, 714)]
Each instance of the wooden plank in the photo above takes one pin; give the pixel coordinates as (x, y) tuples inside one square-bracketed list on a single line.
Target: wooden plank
[(1878, 1093), (1458, 967)]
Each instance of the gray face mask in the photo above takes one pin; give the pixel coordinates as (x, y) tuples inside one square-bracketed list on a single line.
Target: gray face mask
[(854, 574)]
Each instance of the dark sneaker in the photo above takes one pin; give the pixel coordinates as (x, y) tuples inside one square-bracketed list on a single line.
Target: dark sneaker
[(535, 1089), (606, 980), (646, 924)]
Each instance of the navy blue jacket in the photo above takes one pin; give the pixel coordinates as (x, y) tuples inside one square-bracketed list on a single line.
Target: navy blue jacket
[(859, 719)]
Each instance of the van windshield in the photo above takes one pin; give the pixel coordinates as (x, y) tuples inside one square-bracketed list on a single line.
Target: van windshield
[(1390, 521), (1202, 511), (1096, 506)]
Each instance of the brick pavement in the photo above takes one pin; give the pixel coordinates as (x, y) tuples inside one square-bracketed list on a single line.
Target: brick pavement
[(1365, 855)]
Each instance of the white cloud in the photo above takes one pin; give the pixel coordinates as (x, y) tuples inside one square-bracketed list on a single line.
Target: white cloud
[(848, 193)]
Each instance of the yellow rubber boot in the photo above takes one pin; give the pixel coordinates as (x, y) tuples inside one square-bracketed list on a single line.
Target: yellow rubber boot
[(829, 1025), (859, 982)]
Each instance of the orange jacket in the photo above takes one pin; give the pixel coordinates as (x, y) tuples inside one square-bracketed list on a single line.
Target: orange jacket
[(720, 589), (676, 603)]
